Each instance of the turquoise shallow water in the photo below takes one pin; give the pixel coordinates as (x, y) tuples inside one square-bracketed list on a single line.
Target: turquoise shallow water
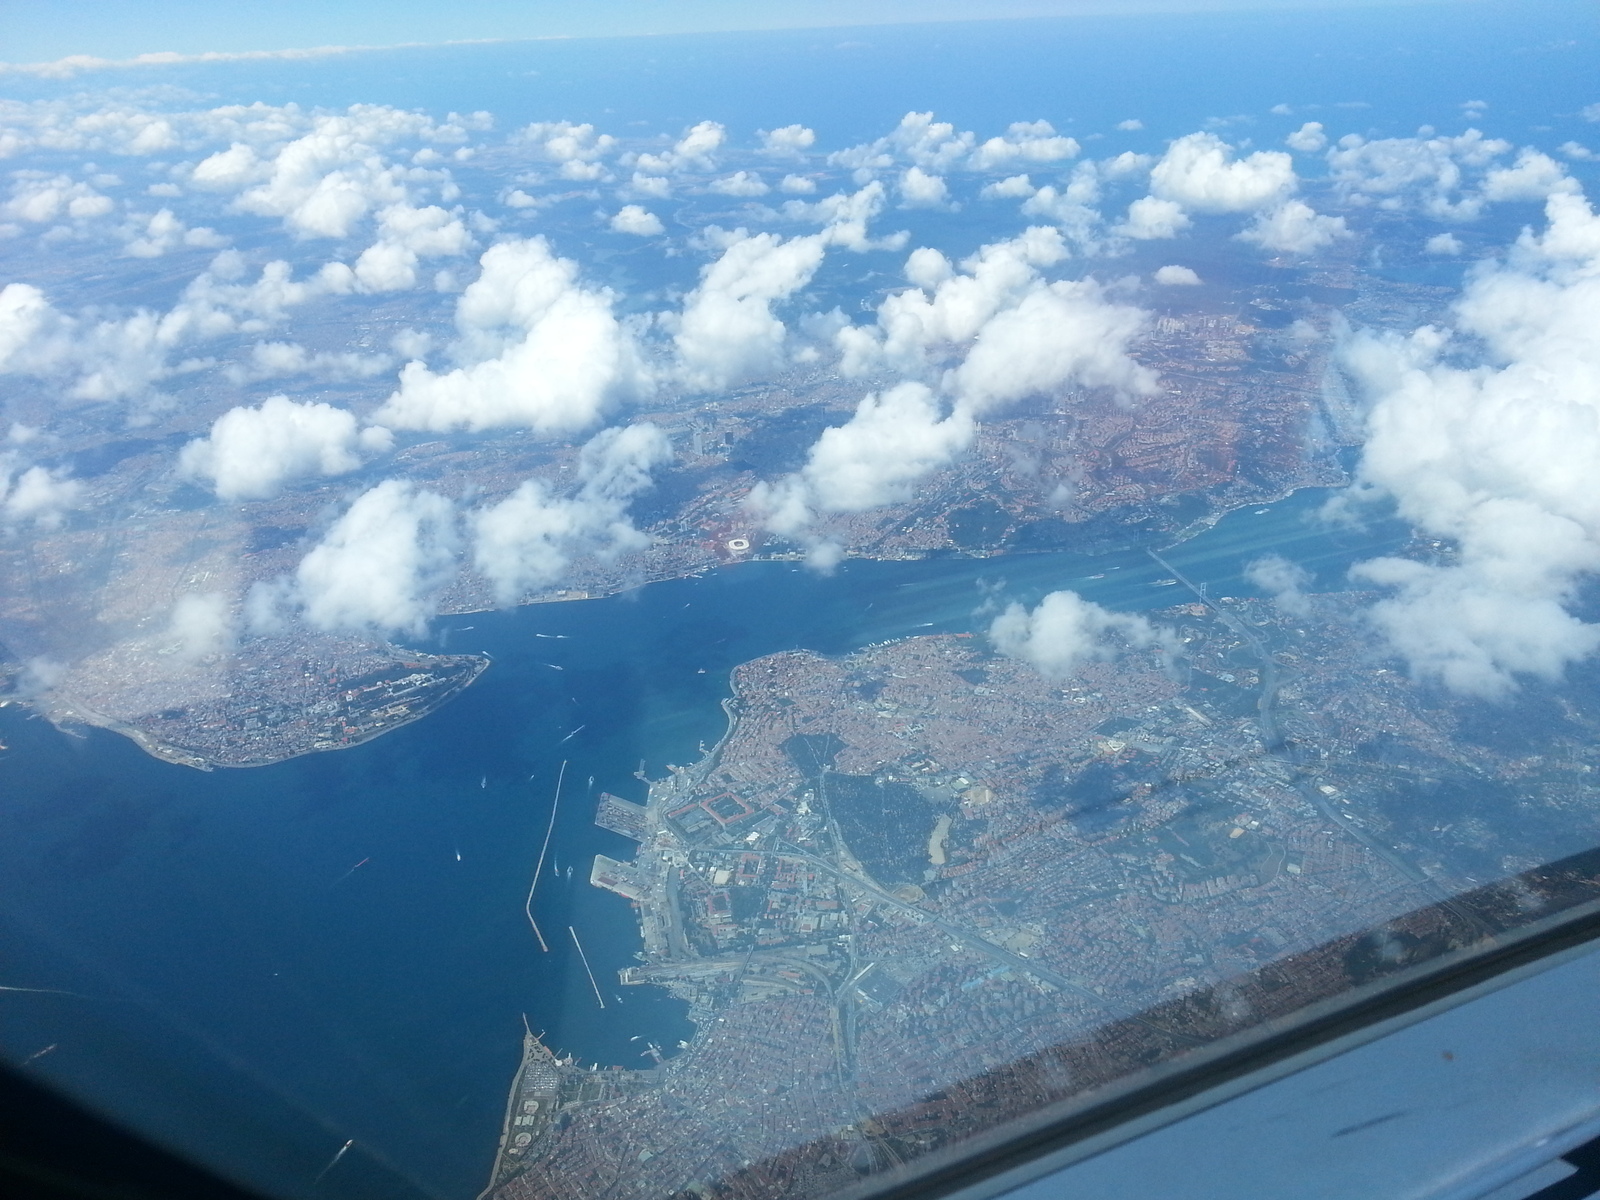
[(278, 1004)]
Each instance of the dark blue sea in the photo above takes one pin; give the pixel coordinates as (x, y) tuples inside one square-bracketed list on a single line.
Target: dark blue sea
[(241, 991)]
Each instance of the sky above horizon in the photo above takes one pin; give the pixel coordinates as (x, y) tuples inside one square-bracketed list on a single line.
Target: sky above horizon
[(41, 31)]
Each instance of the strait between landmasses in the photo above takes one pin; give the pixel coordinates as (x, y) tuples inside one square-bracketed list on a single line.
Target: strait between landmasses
[(1242, 376)]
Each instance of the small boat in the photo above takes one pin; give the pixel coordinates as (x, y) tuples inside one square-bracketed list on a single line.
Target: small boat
[(1102, 575), (484, 782), (1165, 583), (1261, 512), (351, 871)]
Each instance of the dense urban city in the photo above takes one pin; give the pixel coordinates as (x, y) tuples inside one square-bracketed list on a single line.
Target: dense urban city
[(883, 909), (1083, 471)]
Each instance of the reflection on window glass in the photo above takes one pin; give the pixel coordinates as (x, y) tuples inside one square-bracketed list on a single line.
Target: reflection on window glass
[(736, 614)]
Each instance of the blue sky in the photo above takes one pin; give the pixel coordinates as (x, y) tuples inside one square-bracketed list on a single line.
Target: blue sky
[(44, 30)]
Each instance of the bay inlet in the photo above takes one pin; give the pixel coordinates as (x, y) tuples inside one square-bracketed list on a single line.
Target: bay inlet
[(259, 1002)]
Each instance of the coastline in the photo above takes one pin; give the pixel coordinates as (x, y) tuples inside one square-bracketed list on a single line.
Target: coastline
[(505, 1166), (68, 715), (646, 877), (62, 714), (66, 712)]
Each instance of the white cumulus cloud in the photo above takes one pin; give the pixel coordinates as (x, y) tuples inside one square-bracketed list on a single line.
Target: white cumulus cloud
[(38, 198), (1058, 333), (218, 301), (380, 566), (789, 141), (1533, 177), (920, 329), (201, 626), (164, 233), (538, 350), (740, 183), (637, 220), (1072, 205), (974, 339), (274, 360), (696, 150), (727, 331), (1497, 457), (1431, 173), (1176, 276), (1012, 187), (918, 140), (406, 235), (1308, 139), (38, 494), (919, 189), (323, 183), (1150, 218), (250, 453), (1199, 172), (1283, 581), (657, 187), (528, 540), (996, 331), (845, 216), (576, 150), (98, 359), (1025, 142), (894, 439), (1064, 631), (1294, 227)]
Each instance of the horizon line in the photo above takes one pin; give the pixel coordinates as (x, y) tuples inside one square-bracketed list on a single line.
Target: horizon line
[(71, 65)]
